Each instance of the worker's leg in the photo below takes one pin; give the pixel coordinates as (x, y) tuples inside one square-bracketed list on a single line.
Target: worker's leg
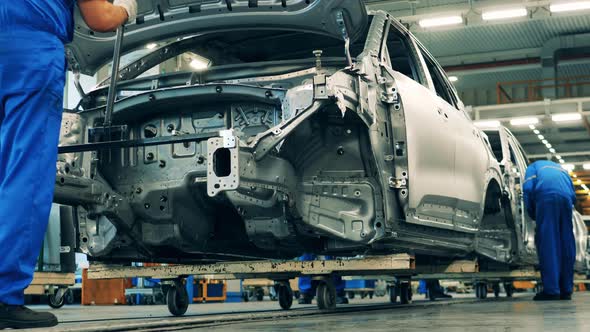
[(306, 285), (31, 95), (568, 248), (548, 248)]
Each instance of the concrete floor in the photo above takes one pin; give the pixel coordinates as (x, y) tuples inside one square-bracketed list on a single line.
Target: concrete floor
[(460, 314)]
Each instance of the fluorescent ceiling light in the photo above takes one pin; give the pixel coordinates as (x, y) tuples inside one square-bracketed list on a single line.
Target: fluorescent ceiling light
[(558, 156), (151, 46), (488, 124), (548, 145), (552, 150), (440, 21), (541, 137), (574, 175), (586, 166), (453, 78), (532, 127), (569, 6), (504, 14), (578, 181), (536, 131), (561, 161), (545, 141), (524, 122), (566, 117), (568, 167)]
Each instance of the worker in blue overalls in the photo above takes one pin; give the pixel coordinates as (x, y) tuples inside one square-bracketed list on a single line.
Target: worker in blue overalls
[(308, 287), (549, 197), (32, 79)]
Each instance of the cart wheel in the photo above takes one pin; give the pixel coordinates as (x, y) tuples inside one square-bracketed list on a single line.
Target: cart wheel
[(481, 291), (297, 294), (177, 299), (393, 294), (496, 288), (56, 303), (129, 299), (509, 289), (285, 294), (326, 296), (405, 296), (259, 294), (351, 295), (69, 297), (371, 294)]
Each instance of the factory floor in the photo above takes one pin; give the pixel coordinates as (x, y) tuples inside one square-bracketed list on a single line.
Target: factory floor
[(463, 313)]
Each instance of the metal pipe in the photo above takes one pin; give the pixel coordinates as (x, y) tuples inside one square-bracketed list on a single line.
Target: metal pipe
[(114, 77)]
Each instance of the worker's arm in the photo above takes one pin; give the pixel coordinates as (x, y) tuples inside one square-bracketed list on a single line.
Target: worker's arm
[(528, 190), (103, 16)]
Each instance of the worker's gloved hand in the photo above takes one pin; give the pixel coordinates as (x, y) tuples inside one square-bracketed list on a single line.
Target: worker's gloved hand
[(130, 6)]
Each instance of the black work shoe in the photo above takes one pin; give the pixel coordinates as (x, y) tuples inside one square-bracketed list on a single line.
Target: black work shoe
[(546, 297), (21, 317), (566, 297)]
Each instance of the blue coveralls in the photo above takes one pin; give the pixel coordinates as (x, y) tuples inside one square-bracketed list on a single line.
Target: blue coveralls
[(307, 287), (32, 78), (549, 197)]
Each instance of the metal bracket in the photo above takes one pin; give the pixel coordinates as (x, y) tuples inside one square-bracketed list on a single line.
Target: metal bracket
[(342, 23), (229, 140), (398, 183)]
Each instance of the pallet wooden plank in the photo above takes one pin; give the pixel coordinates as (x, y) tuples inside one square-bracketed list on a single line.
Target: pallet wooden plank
[(401, 263), (53, 278)]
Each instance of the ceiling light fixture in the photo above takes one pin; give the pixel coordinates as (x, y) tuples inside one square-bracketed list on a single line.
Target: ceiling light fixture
[(541, 137), (564, 117), (440, 21), (504, 14), (561, 161), (552, 150), (568, 167), (524, 122), (586, 167), (488, 124), (548, 145), (569, 6), (545, 141), (536, 131)]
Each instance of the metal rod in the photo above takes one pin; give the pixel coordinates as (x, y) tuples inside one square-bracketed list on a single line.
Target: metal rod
[(114, 77), (135, 143)]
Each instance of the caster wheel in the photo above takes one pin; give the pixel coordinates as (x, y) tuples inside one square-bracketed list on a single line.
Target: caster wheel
[(496, 288), (285, 294), (393, 294), (177, 299), (405, 293), (326, 296), (351, 295), (481, 291), (259, 295), (56, 303), (509, 289)]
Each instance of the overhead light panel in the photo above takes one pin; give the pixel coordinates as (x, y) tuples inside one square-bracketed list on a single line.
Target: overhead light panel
[(561, 161), (568, 167), (488, 124), (564, 117), (578, 181), (453, 78), (536, 131), (569, 6), (524, 122), (586, 167), (545, 141), (552, 150), (558, 156), (541, 137), (440, 21), (504, 14), (548, 145)]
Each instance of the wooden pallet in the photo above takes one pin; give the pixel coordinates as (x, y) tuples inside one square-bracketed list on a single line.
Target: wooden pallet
[(44, 281)]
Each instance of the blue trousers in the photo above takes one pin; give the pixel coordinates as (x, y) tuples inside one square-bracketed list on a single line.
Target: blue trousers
[(556, 245), (32, 77)]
